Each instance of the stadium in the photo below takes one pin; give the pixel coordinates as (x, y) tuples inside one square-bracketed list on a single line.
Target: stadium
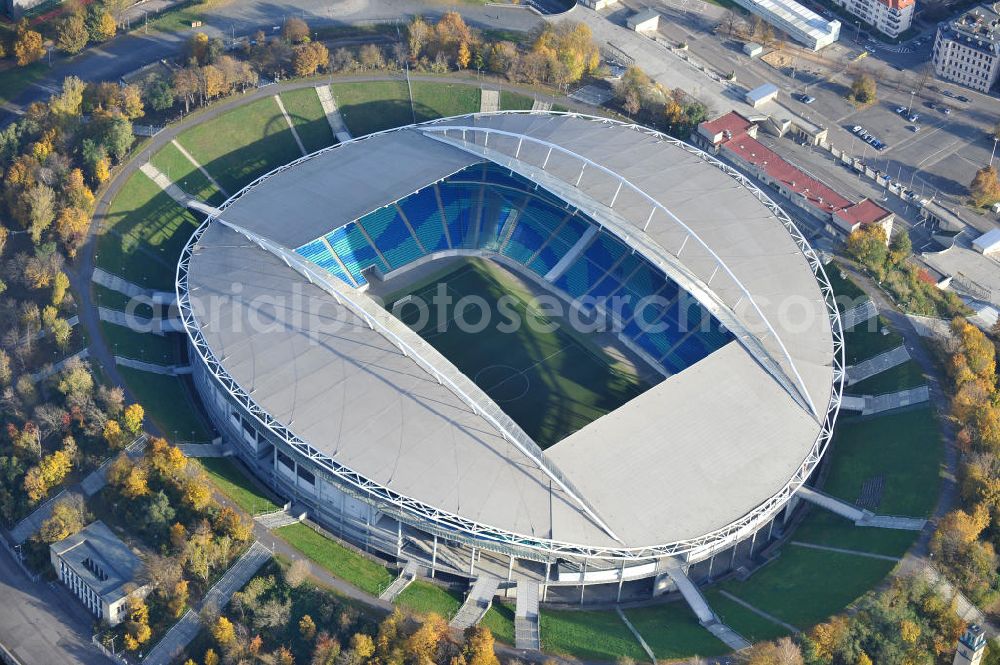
[(661, 445)]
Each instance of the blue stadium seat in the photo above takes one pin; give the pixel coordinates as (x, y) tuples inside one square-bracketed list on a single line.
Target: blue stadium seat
[(317, 252), (458, 201), (425, 217), (387, 229), (354, 250)]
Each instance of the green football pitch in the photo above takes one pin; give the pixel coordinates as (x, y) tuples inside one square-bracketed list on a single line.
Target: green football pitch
[(550, 379)]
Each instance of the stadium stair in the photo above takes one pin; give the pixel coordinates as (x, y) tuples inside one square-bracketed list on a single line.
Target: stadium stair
[(857, 515), (477, 603), (526, 616), (406, 577), (572, 255)]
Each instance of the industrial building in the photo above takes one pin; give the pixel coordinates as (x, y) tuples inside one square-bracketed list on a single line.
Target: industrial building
[(800, 23)]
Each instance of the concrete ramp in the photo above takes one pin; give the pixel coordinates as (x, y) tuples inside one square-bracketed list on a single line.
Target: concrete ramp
[(489, 101), (477, 603), (893, 522), (526, 616), (834, 505), (333, 117), (539, 105), (856, 315), (203, 208), (572, 255), (406, 577), (692, 595), (890, 401), (877, 364), (853, 402)]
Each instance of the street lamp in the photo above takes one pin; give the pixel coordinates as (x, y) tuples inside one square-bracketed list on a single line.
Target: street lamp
[(909, 109), (994, 152)]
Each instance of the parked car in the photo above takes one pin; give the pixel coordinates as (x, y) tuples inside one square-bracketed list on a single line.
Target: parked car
[(962, 98), (913, 117), (945, 110), (914, 128), (805, 99), (948, 93), (901, 110)]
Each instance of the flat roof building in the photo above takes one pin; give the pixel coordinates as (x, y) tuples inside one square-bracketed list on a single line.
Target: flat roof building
[(99, 569), (967, 49), (988, 243), (800, 23), (648, 20), (761, 94)]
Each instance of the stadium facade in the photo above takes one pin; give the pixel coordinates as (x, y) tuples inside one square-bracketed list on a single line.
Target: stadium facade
[(338, 406)]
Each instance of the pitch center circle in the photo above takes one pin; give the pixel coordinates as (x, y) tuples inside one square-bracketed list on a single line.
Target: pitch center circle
[(503, 383)]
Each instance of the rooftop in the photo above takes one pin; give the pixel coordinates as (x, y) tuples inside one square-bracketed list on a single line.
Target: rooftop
[(398, 427), (800, 17), (979, 26), (761, 92), (101, 559), (732, 122), (864, 212)]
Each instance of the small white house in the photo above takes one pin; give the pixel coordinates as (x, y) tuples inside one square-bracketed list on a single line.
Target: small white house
[(753, 49), (648, 20), (761, 95), (988, 243)]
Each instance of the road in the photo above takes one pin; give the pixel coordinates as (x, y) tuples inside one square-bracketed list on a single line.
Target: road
[(43, 624)]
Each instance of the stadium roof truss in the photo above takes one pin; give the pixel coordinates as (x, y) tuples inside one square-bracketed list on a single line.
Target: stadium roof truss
[(444, 372)]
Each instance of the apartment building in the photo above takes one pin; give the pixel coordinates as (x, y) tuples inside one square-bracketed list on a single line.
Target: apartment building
[(967, 49)]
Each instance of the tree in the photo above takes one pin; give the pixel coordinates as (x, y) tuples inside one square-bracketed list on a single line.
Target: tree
[(60, 284), (900, 248), (308, 58), (863, 90), (68, 517), (72, 36), (223, 631), (464, 56), (297, 573), (985, 187), (159, 95), (307, 628), (132, 419), (370, 57), (868, 246), (71, 227), (197, 493), (113, 434), (137, 630), (41, 201), (295, 31), (27, 45), (480, 647), (131, 102), (232, 524), (61, 333), (100, 23), (283, 656), (211, 658), (178, 537), (178, 599), (782, 652)]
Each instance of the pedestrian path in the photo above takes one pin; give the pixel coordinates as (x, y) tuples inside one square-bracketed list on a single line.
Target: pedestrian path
[(188, 156), (165, 183), (55, 368), (140, 324), (539, 105), (887, 402), (635, 633), (489, 101), (184, 631), (526, 616), (877, 364), (115, 283), (203, 449), (842, 550), (477, 603), (857, 515), (291, 125), (332, 113), (152, 368)]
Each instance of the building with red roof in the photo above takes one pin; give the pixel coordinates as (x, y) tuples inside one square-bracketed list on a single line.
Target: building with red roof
[(734, 137)]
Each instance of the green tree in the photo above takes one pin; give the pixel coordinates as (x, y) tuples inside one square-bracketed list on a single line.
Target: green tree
[(72, 36), (863, 90), (28, 46), (868, 246), (985, 187)]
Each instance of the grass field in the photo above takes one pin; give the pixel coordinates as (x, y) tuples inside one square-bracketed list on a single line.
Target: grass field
[(866, 340), (423, 598), (233, 483), (672, 631), (242, 143), (824, 528), (373, 106), (348, 565), (114, 300), (748, 624), (589, 635), (128, 343), (900, 377), (904, 447), (803, 587), (436, 100), (144, 234), (500, 620), (550, 383), (166, 400), (186, 175), (843, 288), (307, 115), (515, 101)]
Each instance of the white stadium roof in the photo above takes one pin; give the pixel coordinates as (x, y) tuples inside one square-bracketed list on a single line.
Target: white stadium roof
[(694, 455)]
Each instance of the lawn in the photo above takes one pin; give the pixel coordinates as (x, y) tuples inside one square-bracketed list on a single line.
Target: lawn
[(15, 79), (904, 447), (824, 528), (231, 480), (515, 101), (438, 100), (847, 292), (500, 620), (307, 115), (901, 377), (551, 383), (110, 299), (186, 175), (373, 106), (804, 587), (168, 402), (242, 144), (143, 234), (588, 635), (672, 631), (424, 597), (127, 343), (749, 624), (348, 565), (866, 340)]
